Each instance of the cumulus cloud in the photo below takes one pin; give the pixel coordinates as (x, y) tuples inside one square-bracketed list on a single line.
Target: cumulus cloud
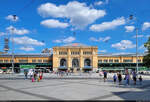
[(27, 48), (16, 31), (98, 3), (124, 44), (27, 41), (103, 39), (2, 33), (79, 14), (51, 23), (146, 25), (108, 25), (11, 18), (129, 28), (66, 40)]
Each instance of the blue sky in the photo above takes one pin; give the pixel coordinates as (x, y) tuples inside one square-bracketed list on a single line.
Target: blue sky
[(43, 24)]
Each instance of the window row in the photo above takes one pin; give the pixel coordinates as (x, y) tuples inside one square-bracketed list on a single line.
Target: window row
[(117, 60), (75, 53), (24, 61)]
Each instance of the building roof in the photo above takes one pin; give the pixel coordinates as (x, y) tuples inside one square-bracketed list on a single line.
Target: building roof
[(75, 45)]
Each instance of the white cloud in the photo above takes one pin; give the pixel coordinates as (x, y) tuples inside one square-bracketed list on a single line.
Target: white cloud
[(14, 30), (103, 39), (108, 25), (146, 25), (98, 3), (27, 41), (66, 40), (11, 18), (79, 14), (2, 33), (51, 23), (124, 44), (129, 28), (139, 36), (102, 51), (28, 48)]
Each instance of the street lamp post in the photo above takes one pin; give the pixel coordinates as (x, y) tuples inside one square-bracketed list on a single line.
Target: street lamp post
[(12, 51), (137, 50)]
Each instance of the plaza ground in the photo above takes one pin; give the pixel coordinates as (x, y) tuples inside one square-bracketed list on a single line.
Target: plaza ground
[(72, 89)]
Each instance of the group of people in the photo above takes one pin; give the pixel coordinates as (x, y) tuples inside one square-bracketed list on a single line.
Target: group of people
[(127, 77), (35, 75)]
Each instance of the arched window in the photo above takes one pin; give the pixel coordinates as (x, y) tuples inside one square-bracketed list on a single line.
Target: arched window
[(63, 63), (75, 63), (87, 62)]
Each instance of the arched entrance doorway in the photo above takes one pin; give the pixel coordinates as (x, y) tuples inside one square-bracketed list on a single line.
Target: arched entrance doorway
[(87, 65), (63, 64), (75, 64)]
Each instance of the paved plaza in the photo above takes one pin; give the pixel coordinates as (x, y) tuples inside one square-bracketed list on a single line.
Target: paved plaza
[(72, 89)]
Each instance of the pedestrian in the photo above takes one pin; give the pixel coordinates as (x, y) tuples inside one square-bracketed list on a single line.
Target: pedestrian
[(41, 75), (105, 76), (35, 75), (140, 79), (127, 78), (119, 78), (134, 77), (26, 74), (114, 78)]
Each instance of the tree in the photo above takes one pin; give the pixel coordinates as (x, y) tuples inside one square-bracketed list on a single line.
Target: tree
[(146, 59)]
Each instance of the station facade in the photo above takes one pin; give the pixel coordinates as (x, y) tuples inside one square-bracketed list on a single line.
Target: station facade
[(73, 57)]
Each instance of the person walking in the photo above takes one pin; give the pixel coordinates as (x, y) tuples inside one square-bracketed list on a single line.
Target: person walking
[(140, 79), (26, 74), (127, 78), (105, 76), (134, 77), (119, 78), (114, 78)]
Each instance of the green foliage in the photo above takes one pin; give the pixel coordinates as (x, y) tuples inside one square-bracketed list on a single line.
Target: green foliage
[(146, 59)]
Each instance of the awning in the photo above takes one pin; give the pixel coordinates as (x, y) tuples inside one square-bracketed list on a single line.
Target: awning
[(62, 67), (112, 69), (27, 66), (87, 67)]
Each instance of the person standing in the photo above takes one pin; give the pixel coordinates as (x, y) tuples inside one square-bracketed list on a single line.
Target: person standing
[(119, 78), (114, 78), (26, 74), (105, 76), (140, 79)]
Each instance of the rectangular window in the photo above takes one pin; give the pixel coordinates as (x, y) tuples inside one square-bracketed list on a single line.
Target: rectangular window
[(5, 61), (105, 61), (99, 61), (139, 60), (116, 60), (23, 61), (62, 53), (45, 61), (39, 61), (87, 53), (75, 53), (1, 61), (33, 61), (111, 61), (127, 60)]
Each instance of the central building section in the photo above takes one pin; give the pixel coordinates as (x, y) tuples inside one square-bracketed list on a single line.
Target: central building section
[(75, 57)]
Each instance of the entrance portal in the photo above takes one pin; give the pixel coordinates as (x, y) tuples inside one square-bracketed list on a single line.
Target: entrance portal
[(75, 64)]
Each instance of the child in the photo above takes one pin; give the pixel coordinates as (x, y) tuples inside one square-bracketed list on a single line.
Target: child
[(114, 77), (140, 79)]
